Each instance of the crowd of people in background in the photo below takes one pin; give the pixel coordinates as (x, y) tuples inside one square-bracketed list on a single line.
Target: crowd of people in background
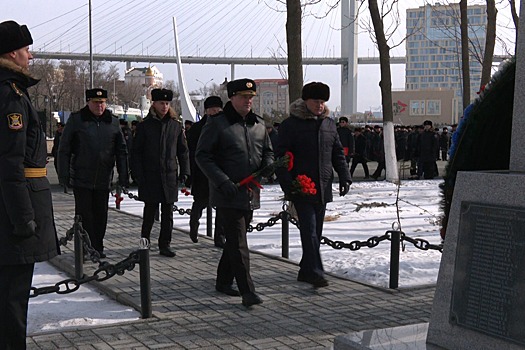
[(420, 145)]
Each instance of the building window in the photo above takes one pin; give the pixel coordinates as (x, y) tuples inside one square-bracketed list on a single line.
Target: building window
[(417, 107), (433, 107)]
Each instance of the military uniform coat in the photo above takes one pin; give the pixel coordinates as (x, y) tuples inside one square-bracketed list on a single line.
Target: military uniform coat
[(157, 146), (22, 145)]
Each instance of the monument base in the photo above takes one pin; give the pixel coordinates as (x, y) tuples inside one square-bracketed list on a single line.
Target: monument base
[(479, 282)]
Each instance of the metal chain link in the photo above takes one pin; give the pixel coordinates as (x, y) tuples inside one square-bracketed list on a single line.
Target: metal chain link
[(375, 240), (104, 272), (176, 209)]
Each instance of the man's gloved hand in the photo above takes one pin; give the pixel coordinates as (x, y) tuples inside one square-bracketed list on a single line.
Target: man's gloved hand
[(344, 187), (183, 179), (228, 189), (25, 230)]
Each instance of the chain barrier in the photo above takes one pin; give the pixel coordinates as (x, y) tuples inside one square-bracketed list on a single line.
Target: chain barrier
[(373, 241), (176, 209), (92, 253), (104, 272)]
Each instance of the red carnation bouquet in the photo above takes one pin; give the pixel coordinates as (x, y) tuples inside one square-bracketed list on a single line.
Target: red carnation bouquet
[(304, 186), (284, 161)]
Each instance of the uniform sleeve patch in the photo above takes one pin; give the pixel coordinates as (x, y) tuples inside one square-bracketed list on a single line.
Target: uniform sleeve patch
[(15, 121)]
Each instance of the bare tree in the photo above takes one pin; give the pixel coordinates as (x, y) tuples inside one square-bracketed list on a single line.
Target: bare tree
[(465, 57), (490, 41), (295, 55), (386, 86), (515, 18)]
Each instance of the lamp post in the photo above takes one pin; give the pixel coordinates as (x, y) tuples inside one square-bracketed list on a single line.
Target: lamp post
[(53, 104), (204, 86), (46, 101)]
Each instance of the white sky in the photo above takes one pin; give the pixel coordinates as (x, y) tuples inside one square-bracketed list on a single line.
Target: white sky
[(211, 28), (418, 210)]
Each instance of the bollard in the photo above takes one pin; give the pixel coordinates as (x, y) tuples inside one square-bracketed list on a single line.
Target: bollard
[(79, 249), (209, 221), (285, 229), (118, 196), (145, 282), (394, 258)]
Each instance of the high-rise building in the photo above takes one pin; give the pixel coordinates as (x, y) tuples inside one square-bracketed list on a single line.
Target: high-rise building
[(433, 49)]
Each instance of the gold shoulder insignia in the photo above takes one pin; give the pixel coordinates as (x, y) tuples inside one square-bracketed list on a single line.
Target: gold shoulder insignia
[(17, 90), (15, 121)]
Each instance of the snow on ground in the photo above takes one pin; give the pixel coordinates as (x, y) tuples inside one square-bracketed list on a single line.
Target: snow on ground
[(368, 210)]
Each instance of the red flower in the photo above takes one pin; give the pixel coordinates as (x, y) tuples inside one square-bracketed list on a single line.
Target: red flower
[(267, 171), (303, 185)]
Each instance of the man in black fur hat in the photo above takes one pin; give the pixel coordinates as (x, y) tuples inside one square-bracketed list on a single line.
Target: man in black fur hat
[(91, 143), (27, 230), (311, 136), (427, 149)]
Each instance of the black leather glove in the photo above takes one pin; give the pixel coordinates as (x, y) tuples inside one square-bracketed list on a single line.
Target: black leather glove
[(25, 230), (228, 189), (344, 187), (183, 179)]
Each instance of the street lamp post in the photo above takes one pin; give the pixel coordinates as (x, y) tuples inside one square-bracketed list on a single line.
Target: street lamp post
[(204, 86)]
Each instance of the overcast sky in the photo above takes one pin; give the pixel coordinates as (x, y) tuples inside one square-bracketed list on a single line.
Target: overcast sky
[(211, 28)]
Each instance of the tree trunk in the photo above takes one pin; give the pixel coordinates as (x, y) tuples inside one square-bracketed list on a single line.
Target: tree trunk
[(490, 42), (295, 55), (385, 84), (465, 57), (515, 19)]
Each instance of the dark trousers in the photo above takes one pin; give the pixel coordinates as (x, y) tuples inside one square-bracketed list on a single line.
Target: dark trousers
[(359, 160), (381, 165), (235, 259), (92, 206), (199, 204), (166, 222), (444, 154), (311, 218), (428, 168), (15, 284)]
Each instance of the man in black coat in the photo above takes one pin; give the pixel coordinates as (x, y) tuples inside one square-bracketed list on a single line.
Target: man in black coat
[(360, 154), (158, 144), (89, 147), (346, 137), (56, 143), (311, 136), (27, 229), (198, 181), (427, 149), (233, 145)]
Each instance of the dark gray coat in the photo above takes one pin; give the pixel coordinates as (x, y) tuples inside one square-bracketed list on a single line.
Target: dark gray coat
[(231, 148), (22, 145), (317, 150), (157, 146), (89, 148)]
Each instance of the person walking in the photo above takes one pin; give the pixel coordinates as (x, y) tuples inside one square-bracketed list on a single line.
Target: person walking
[(444, 143), (360, 154), (427, 149), (56, 143), (90, 146), (232, 146), (311, 136), (198, 181), (159, 145), (346, 137), (27, 228)]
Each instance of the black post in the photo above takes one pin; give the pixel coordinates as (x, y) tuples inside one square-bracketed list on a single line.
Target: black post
[(145, 282), (209, 221), (394, 259), (285, 235), (118, 194), (79, 249)]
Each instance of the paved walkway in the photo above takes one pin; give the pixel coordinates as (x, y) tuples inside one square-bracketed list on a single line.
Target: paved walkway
[(189, 314)]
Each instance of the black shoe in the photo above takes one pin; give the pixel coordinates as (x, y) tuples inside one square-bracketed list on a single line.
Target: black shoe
[(219, 241), (227, 289), (317, 282), (194, 237), (249, 299), (166, 251), (101, 254)]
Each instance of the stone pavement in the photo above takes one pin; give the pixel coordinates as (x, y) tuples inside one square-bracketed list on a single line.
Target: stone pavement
[(189, 314)]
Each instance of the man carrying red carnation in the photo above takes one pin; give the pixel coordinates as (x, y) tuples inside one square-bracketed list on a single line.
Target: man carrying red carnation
[(313, 140)]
